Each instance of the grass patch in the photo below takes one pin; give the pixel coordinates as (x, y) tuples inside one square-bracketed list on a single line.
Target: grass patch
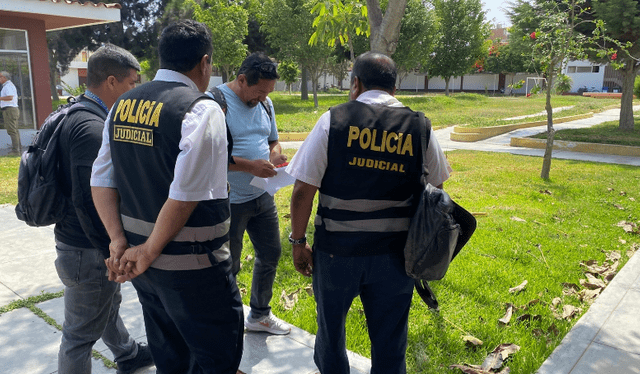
[(473, 110), (567, 220), (9, 179), (604, 133)]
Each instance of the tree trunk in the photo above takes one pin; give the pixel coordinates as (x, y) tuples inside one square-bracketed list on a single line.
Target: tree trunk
[(304, 90), (626, 102), (52, 80), (546, 163), (385, 30), (314, 83), (446, 86)]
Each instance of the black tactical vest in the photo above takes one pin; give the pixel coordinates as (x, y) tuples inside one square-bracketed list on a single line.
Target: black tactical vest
[(367, 192), (145, 132)]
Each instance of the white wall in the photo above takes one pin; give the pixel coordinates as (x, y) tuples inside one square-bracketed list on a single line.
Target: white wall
[(592, 81)]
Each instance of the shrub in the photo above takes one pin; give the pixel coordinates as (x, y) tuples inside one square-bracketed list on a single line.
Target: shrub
[(563, 84), (636, 87)]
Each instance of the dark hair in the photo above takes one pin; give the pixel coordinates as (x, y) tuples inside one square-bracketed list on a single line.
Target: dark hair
[(375, 70), (182, 45), (110, 60), (258, 66)]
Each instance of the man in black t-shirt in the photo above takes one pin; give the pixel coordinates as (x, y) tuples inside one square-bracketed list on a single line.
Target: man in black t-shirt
[(91, 301)]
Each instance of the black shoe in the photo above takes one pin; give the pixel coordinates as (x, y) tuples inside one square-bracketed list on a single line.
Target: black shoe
[(142, 359)]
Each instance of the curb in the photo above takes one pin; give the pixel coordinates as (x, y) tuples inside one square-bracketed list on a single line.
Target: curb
[(292, 136), (562, 145), (473, 134)]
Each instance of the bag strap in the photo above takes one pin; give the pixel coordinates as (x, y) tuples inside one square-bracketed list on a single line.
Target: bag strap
[(425, 134), (422, 287), (426, 294)]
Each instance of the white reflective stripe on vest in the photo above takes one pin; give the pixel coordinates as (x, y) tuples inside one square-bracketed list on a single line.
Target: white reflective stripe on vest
[(366, 225), (361, 205), (187, 234)]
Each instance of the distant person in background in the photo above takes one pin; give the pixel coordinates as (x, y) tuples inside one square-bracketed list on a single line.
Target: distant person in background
[(10, 111)]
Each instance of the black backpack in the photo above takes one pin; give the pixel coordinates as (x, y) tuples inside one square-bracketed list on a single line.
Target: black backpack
[(41, 201)]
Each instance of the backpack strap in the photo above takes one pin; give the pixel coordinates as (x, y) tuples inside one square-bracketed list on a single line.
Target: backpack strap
[(267, 108)]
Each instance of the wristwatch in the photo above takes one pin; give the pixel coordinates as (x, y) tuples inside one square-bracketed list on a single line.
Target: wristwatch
[(293, 241)]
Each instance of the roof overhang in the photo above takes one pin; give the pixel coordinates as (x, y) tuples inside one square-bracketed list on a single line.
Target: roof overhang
[(61, 14)]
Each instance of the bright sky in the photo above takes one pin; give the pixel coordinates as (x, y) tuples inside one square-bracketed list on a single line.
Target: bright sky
[(495, 11)]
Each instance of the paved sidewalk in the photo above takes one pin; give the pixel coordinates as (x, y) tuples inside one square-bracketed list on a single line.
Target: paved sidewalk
[(29, 345)]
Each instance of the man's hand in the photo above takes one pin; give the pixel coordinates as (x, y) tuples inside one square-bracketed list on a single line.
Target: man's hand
[(116, 250), (277, 158), (135, 261), (262, 169), (303, 259)]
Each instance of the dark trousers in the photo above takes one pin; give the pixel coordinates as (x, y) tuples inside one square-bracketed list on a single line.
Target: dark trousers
[(193, 318), (385, 291)]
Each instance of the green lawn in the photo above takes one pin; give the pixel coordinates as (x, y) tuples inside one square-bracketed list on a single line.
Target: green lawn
[(294, 115), (605, 133), (528, 229)]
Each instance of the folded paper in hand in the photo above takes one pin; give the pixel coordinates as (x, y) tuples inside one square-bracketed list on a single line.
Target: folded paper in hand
[(273, 184)]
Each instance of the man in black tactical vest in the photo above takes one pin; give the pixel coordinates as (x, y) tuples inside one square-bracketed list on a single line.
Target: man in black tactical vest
[(365, 159), (159, 184)]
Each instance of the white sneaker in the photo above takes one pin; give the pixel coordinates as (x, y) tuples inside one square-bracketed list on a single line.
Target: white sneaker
[(268, 323)]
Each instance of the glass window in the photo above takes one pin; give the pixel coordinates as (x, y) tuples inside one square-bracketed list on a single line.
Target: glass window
[(583, 69), (14, 58), (571, 69), (15, 40), (596, 69)]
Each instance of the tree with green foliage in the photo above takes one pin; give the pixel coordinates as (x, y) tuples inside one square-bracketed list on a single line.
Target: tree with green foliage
[(551, 43), (622, 23), (339, 20), (287, 25), (462, 32), (228, 22), (289, 72), (136, 32), (416, 40), (507, 59)]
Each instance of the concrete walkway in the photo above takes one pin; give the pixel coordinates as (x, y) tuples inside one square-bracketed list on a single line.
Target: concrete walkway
[(605, 340), (29, 345)]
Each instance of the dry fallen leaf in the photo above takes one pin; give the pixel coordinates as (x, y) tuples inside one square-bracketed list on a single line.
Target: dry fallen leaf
[(528, 317), (507, 317), (518, 219), (555, 302), (519, 287), (571, 285), (290, 300), (469, 369), (614, 256), (309, 290), (248, 258), (495, 359), (588, 296), (553, 329), (568, 311), (471, 340)]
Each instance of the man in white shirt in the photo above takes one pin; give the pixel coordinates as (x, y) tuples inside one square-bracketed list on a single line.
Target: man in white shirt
[(159, 185), (10, 111), (364, 157)]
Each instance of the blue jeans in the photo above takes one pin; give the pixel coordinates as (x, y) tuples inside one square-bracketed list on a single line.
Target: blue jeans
[(259, 218), (385, 291), (91, 305), (193, 319)]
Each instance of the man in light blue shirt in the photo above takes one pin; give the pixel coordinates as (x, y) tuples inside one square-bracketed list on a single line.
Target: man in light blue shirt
[(256, 152)]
